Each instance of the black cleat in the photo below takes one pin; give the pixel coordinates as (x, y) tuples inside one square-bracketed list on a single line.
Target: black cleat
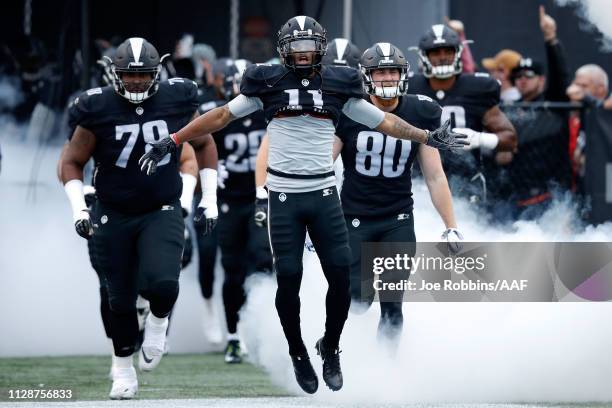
[(332, 373), (233, 354), (305, 374)]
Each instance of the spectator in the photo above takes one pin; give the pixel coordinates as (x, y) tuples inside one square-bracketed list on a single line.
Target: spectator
[(590, 85), (500, 67), (542, 164)]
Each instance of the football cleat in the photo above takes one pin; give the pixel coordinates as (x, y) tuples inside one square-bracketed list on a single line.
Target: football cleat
[(305, 374), (154, 344), (332, 373), (125, 384), (233, 355)]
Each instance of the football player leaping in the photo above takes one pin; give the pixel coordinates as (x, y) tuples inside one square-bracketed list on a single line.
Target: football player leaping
[(303, 101), (377, 188), (139, 228)]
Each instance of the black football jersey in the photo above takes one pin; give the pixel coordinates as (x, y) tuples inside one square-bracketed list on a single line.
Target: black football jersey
[(237, 144), (377, 167), (122, 130), (466, 103), (282, 91)]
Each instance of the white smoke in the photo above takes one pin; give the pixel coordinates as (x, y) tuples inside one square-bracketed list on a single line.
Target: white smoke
[(597, 14), (452, 352), (10, 93)]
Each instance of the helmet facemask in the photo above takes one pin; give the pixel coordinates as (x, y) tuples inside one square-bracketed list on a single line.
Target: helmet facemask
[(291, 47), (377, 89), (442, 71), (145, 91)]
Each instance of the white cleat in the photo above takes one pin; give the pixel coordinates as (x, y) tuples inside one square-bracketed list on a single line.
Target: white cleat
[(154, 344), (212, 327), (125, 384)]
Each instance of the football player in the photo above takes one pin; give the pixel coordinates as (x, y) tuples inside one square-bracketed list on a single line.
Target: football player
[(302, 101), (471, 101), (377, 188), (237, 145), (137, 220), (341, 51)]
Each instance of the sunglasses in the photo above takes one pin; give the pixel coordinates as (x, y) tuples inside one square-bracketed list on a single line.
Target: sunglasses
[(525, 74)]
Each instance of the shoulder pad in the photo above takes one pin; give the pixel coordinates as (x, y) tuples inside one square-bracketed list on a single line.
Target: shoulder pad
[(259, 77), (343, 80), (182, 89), (87, 105), (427, 108), (483, 85)]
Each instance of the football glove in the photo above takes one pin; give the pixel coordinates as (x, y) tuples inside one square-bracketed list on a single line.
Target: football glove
[(261, 208), (83, 225), (453, 239), (205, 217), (148, 161), (483, 140), (444, 138)]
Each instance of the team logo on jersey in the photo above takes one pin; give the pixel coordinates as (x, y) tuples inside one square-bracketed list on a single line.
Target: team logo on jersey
[(356, 222), (440, 94), (305, 82), (282, 197), (139, 110), (247, 122), (104, 219), (327, 191)]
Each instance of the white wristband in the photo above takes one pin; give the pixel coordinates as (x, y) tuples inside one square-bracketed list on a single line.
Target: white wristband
[(208, 179), (74, 191), (189, 185), (261, 193), (488, 141)]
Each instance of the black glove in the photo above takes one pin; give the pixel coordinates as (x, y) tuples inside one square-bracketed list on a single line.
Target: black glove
[(443, 138), (187, 249), (261, 212), (200, 220), (148, 161), (84, 226)]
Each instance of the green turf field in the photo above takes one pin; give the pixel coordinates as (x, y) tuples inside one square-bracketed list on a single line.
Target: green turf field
[(178, 376)]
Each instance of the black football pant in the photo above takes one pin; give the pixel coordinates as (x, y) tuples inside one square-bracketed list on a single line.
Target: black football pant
[(290, 214), (392, 228), (207, 255), (244, 249), (137, 252)]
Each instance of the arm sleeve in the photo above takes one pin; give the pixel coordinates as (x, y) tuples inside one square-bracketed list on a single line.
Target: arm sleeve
[(243, 105), (363, 112), (558, 76)]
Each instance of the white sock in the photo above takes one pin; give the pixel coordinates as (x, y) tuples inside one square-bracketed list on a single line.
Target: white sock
[(158, 321), (232, 336), (123, 362)]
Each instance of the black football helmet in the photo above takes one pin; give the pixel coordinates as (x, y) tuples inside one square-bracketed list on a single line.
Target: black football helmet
[(301, 34), (379, 56), (440, 36), (136, 55), (341, 51), (232, 76)]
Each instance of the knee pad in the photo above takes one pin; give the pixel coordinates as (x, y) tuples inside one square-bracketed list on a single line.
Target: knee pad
[(162, 296), (286, 266)]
